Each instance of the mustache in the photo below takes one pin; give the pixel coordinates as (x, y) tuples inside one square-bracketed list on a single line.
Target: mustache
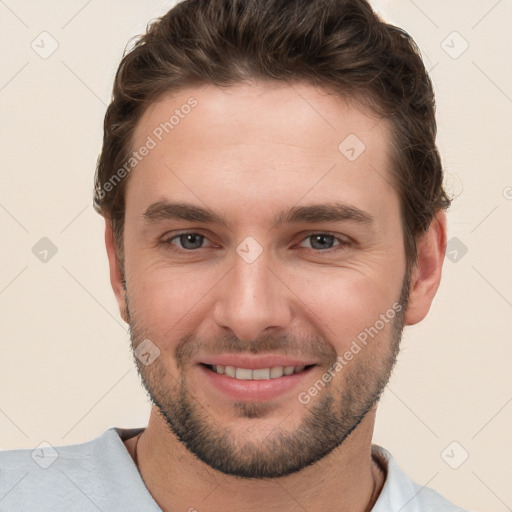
[(313, 347)]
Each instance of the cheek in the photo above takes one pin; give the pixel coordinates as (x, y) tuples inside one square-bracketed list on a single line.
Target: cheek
[(167, 300), (337, 303), (344, 304)]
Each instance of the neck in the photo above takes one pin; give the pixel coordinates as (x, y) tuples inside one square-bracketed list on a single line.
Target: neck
[(346, 480)]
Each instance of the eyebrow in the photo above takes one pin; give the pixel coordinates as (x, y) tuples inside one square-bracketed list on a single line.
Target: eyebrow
[(315, 213)]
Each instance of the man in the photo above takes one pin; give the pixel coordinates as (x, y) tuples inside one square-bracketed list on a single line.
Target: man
[(274, 217)]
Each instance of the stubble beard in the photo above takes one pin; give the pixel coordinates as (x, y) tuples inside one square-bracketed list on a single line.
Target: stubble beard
[(327, 422)]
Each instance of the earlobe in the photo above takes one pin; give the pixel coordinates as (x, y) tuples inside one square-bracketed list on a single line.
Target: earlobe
[(116, 271), (426, 275)]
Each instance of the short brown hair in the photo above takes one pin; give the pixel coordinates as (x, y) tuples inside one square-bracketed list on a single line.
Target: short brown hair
[(340, 45)]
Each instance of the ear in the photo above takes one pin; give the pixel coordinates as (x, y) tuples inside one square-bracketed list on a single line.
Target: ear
[(116, 272), (426, 275)]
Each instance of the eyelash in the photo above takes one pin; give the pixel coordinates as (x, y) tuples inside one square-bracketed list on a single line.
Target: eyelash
[(343, 243)]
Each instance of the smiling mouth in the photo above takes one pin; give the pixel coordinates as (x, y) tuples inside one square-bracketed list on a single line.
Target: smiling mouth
[(274, 372)]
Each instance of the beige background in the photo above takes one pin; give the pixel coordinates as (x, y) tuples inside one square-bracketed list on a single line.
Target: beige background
[(66, 372)]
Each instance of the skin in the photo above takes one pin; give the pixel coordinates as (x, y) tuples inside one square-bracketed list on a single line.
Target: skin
[(248, 152)]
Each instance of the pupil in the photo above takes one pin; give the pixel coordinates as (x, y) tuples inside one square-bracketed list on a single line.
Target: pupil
[(195, 241), (322, 241)]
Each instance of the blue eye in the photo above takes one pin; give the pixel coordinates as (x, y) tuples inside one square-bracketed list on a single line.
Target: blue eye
[(319, 242), (188, 241), (324, 241)]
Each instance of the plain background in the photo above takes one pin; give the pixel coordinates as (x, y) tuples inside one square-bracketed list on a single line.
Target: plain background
[(66, 371)]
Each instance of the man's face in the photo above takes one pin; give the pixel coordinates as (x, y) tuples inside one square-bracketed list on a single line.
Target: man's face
[(264, 288)]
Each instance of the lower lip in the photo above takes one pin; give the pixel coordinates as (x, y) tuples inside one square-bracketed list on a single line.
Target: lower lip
[(254, 390)]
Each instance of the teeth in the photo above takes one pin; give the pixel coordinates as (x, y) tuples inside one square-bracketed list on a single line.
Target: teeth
[(243, 374), (230, 371), (276, 372), (259, 374)]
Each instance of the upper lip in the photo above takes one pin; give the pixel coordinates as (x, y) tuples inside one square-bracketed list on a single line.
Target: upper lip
[(253, 362)]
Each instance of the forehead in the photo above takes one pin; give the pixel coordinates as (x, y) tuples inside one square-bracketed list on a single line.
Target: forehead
[(296, 113), (276, 141)]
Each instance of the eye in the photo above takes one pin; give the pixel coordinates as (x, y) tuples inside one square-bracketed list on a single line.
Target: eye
[(186, 241), (319, 242), (324, 242)]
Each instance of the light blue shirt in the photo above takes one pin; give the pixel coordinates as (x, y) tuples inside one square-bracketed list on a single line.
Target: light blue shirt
[(100, 475)]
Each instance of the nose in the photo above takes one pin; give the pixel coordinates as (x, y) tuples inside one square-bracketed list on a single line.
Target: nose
[(252, 300)]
